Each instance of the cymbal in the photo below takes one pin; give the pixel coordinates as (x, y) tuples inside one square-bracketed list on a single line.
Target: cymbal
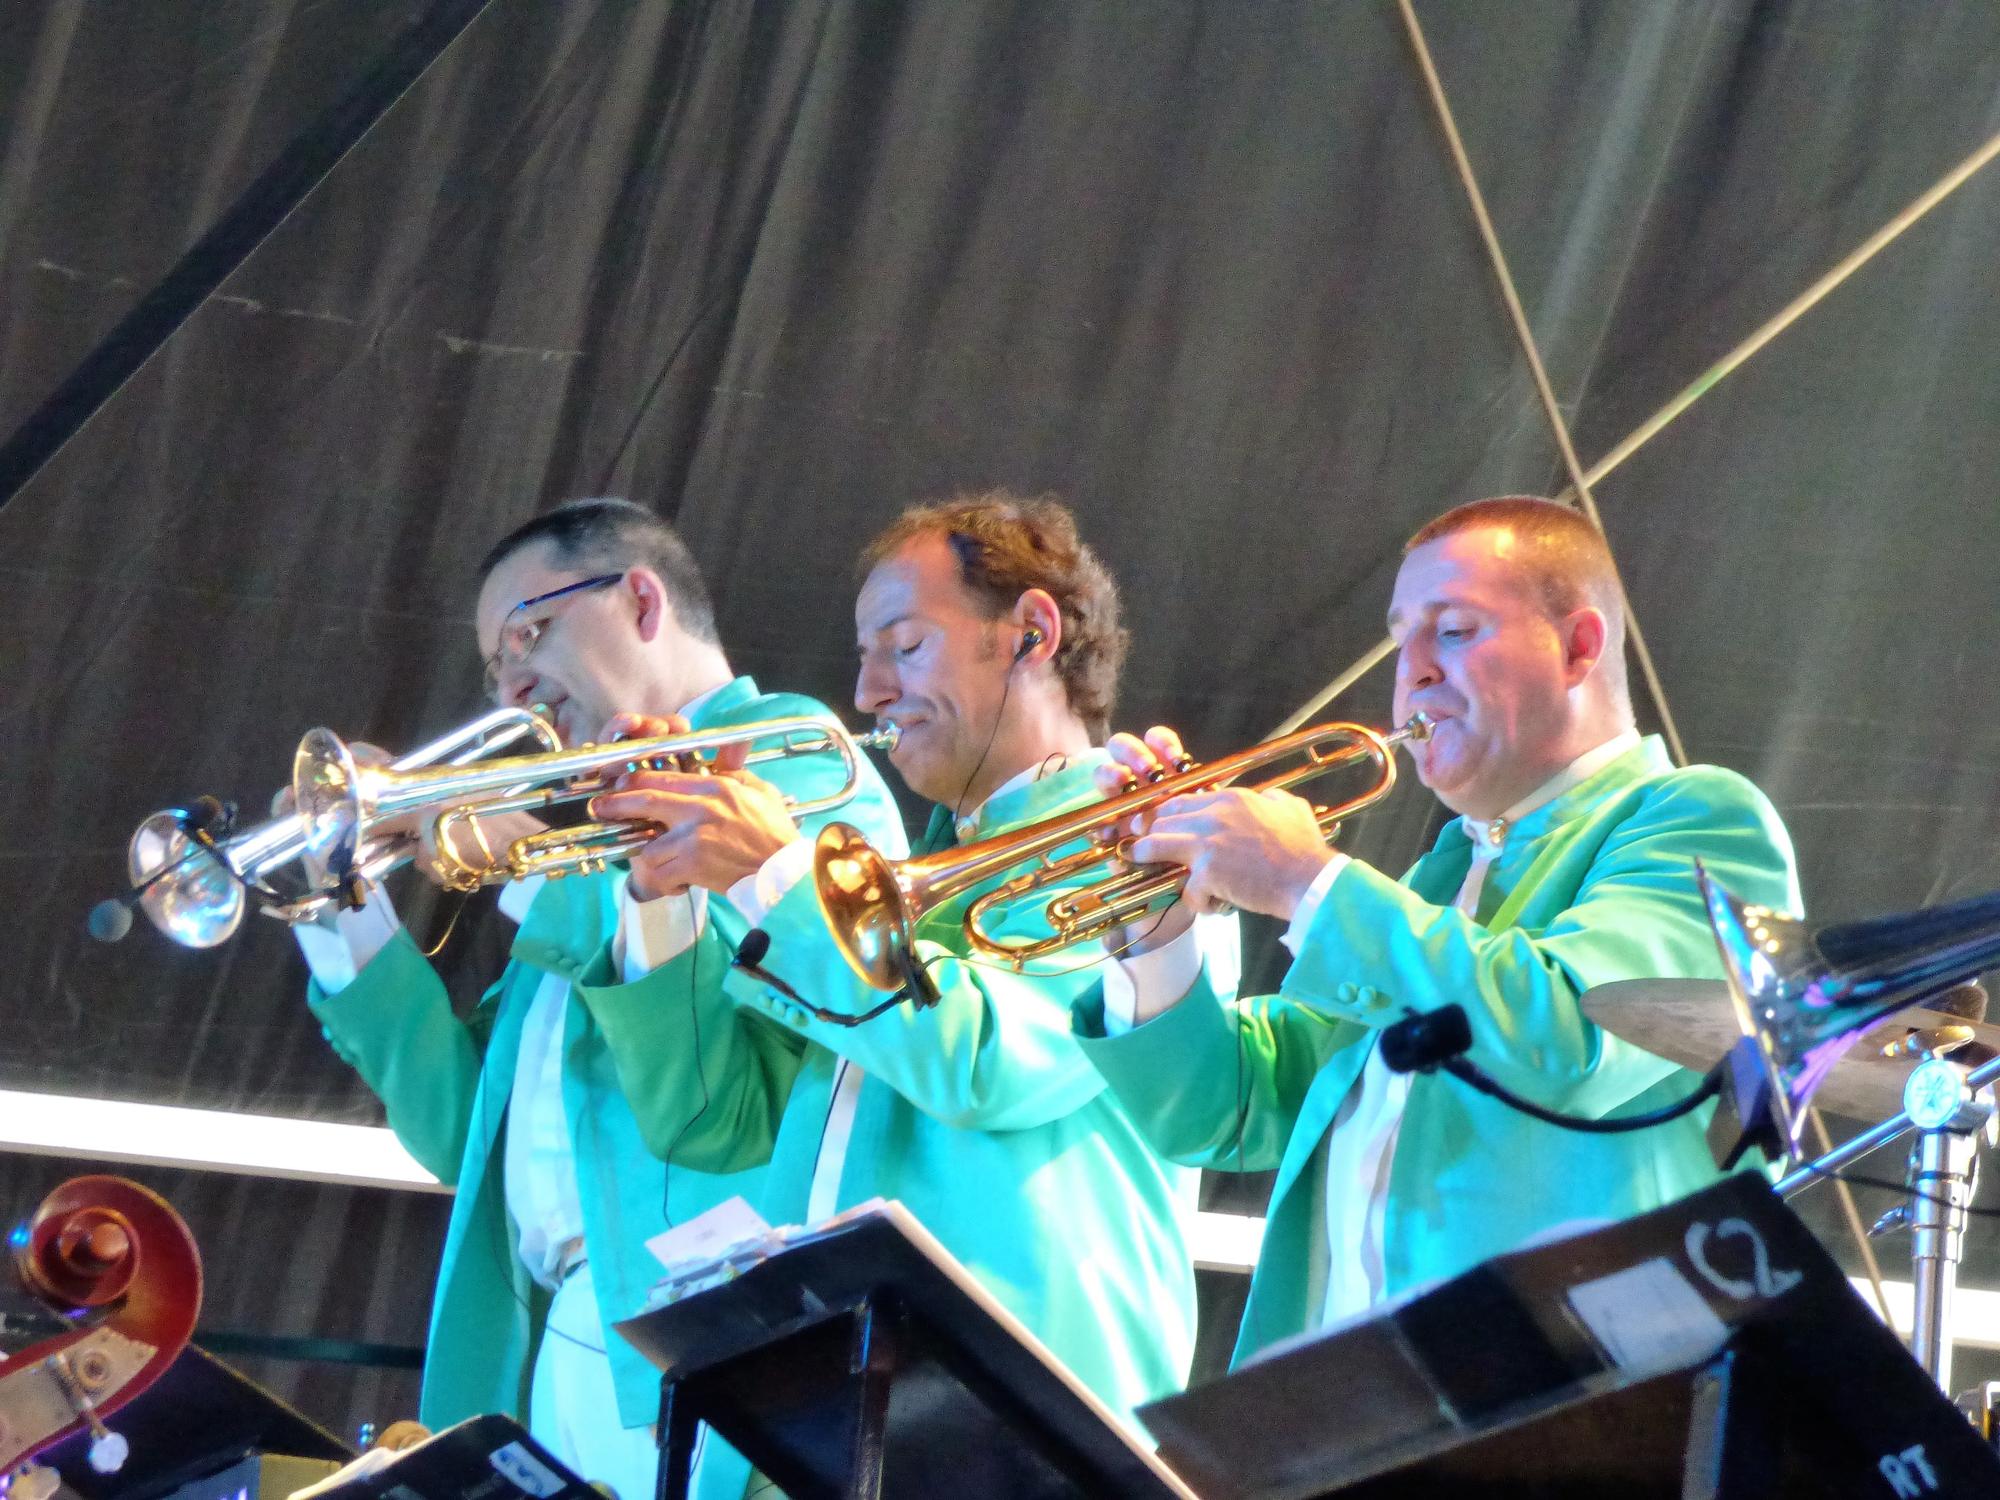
[(1691, 1022)]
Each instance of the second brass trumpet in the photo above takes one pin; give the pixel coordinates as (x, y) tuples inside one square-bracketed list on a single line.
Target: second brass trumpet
[(873, 904), (341, 800)]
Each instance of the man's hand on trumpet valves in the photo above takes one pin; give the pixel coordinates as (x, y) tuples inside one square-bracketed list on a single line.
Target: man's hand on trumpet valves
[(1254, 850), (718, 822)]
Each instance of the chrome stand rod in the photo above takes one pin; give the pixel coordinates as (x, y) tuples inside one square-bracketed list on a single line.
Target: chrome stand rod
[(1946, 1160), (1874, 1139)]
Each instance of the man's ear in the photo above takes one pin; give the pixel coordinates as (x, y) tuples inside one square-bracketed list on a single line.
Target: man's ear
[(1585, 636), (649, 595), (1038, 625)]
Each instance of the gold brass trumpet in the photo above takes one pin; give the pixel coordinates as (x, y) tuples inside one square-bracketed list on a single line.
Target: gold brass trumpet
[(344, 803), (195, 887), (873, 904)]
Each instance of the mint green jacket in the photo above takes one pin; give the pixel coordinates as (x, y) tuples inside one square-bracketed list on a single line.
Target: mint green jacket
[(982, 1115), (1595, 886), (445, 1085)]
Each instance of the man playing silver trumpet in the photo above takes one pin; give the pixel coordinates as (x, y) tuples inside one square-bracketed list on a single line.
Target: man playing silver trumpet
[(590, 611), (1570, 865)]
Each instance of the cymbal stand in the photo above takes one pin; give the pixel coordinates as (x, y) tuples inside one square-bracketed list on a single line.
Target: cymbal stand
[(1951, 1119), (1950, 1107)]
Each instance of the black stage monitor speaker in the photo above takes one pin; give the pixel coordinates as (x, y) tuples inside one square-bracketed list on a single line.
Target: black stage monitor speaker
[(1708, 1349)]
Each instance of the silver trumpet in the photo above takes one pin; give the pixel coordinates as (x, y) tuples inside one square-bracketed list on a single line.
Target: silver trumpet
[(345, 804), (194, 886)]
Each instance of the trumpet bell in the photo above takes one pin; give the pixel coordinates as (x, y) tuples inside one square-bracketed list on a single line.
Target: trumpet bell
[(195, 889), (184, 887), (326, 783), (864, 902)]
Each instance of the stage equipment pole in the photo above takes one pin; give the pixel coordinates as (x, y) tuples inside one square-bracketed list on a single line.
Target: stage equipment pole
[(1702, 384), (229, 242), (1579, 492)]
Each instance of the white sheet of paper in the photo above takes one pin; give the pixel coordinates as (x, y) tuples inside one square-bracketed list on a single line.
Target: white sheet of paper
[(707, 1235), (1648, 1317)]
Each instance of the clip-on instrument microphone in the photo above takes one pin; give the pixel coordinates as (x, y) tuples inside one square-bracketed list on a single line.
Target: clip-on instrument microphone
[(205, 820)]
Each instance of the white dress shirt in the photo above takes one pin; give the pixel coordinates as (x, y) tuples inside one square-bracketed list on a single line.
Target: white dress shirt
[(540, 1164), (1361, 1146)]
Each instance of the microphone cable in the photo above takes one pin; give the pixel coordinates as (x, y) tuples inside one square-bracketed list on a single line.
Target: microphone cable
[(1425, 1041)]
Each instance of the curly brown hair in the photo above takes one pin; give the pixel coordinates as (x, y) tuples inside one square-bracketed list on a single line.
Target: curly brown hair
[(1007, 544)]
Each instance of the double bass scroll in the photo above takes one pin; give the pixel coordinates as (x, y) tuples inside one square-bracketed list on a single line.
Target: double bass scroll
[(116, 1262)]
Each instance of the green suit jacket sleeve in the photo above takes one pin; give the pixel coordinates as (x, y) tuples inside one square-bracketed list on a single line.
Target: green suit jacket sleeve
[(995, 1053), (394, 1025), (1375, 946), (710, 1077), (707, 1083), (1221, 1084)]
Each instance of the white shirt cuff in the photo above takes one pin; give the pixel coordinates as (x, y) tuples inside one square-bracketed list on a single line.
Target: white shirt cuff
[(338, 950), (516, 896), (755, 894), (652, 932), (1309, 903), (1151, 981)]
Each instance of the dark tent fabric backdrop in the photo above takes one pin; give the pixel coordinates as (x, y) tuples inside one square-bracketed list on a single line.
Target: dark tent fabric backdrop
[(779, 269)]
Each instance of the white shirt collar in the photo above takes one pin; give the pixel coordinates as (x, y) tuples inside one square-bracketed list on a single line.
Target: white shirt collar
[(1486, 834), (965, 822)]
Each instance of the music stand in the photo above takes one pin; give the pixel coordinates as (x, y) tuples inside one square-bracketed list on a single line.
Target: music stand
[(863, 1360), (482, 1458)]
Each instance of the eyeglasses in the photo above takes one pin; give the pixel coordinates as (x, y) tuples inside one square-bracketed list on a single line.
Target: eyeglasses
[(520, 635)]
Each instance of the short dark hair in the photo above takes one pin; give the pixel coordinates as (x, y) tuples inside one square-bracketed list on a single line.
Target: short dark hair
[(1567, 559), (599, 535), (1007, 544), (1567, 555)]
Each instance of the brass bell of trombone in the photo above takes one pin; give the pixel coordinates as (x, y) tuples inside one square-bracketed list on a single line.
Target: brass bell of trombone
[(1803, 994)]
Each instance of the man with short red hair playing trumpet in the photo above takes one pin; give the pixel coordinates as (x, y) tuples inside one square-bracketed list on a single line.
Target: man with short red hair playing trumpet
[(1570, 865)]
